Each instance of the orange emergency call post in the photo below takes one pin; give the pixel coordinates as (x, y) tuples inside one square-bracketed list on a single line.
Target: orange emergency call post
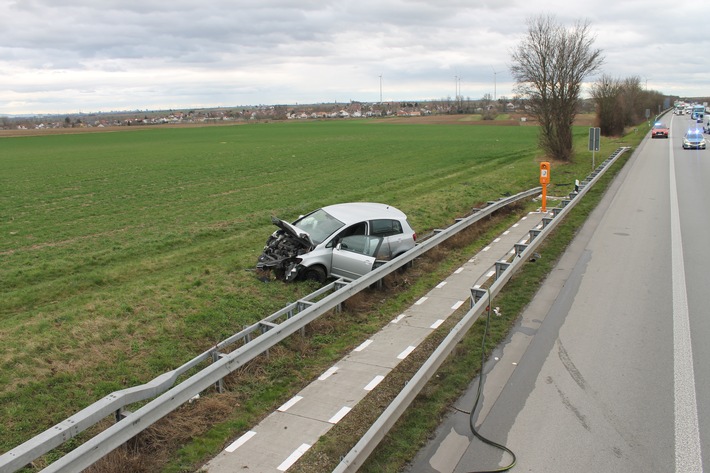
[(544, 181)]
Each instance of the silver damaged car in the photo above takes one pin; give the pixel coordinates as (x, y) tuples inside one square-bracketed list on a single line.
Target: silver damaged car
[(342, 240)]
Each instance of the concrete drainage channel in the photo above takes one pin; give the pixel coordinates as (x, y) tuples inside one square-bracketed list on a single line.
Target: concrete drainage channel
[(235, 351)]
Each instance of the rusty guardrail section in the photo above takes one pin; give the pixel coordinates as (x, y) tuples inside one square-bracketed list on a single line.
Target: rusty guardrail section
[(480, 299), (220, 360)]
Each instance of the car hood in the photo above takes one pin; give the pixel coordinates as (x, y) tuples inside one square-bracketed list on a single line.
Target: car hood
[(294, 231)]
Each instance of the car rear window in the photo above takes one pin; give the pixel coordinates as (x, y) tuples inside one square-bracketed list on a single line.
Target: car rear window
[(386, 227)]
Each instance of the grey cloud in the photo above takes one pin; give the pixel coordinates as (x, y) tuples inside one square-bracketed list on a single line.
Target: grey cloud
[(242, 52)]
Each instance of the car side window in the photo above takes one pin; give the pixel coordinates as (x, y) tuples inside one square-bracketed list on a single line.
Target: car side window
[(385, 227), (357, 229), (361, 244)]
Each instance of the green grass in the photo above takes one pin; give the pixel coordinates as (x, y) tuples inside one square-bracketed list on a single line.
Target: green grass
[(123, 255)]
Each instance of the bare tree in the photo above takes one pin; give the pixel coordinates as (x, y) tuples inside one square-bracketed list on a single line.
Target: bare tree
[(549, 66), (607, 94), (622, 102), (633, 99)]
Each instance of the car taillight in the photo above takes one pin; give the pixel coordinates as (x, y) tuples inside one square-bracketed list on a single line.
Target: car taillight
[(414, 236)]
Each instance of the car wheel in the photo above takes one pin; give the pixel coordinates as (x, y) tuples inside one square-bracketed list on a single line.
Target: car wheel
[(315, 273)]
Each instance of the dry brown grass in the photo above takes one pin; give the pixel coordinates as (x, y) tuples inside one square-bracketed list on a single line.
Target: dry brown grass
[(150, 450)]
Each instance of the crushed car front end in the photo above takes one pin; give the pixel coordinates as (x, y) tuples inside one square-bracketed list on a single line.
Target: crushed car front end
[(283, 248)]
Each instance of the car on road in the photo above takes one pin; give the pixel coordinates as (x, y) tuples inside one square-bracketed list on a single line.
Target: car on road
[(694, 139), (659, 130), (697, 112), (342, 240)]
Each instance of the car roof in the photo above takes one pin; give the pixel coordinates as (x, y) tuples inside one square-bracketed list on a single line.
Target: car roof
[(353, 212)]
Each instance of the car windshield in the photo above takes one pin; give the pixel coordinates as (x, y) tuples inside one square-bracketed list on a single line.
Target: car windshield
[(319, 225), (694, 136), (659, 125)]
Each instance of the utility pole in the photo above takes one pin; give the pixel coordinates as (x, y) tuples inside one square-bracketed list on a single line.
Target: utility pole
[(495, 81), (380, 88), (458, 92)]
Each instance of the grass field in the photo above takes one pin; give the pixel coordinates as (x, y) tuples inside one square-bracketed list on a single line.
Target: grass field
[(124, 254)]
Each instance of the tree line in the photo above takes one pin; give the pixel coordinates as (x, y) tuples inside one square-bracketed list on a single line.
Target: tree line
[(623, 102), (549, 67)]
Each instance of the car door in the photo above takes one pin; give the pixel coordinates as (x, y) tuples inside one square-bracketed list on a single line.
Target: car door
[(391, 231), (355, 255)]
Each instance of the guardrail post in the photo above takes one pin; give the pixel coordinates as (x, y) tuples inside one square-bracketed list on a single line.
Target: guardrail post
[(477, 294), (501, 266), (219, 385), (519, 248), (302, 305), (556, 211), (546, 221), (380, 284), (121, 414), (338, 285), (534, 232)]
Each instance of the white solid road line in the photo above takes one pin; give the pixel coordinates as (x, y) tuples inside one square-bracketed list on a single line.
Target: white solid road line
[(688, 458)]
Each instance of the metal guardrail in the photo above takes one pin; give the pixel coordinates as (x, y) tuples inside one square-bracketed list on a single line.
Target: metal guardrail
[(244, 345), (480, 299)]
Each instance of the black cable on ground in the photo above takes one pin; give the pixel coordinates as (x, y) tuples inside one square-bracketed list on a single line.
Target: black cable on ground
[(478, 397)]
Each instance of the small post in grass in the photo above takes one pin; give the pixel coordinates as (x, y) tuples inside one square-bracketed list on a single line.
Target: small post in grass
[(594, 138), (544, 180)]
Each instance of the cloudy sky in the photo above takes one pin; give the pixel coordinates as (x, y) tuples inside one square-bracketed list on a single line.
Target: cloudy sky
[(102, 55)]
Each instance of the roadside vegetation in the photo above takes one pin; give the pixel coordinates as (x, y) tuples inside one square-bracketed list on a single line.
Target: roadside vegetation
[(549, 66), (621, 103), (123, 255)]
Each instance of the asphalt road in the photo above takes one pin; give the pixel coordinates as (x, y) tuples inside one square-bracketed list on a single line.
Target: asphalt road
[(607, 371)]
